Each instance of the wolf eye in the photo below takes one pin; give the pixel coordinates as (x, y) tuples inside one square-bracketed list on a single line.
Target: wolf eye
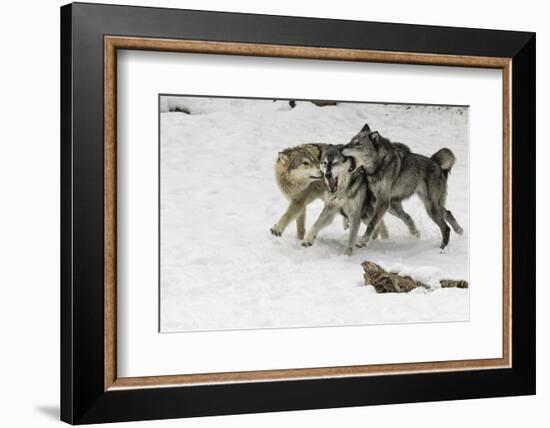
[(335, 162), (305, 163)]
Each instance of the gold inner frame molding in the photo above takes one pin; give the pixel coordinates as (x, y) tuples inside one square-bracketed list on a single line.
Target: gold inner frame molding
[(113, 43)]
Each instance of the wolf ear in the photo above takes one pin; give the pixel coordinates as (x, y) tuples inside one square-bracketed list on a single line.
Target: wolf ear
[(283, 157), (374, 136), (365, 128)]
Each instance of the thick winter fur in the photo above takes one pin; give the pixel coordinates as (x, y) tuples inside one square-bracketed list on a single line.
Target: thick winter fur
[(445, 159), (347, 194), (394, 175), (301, 182)]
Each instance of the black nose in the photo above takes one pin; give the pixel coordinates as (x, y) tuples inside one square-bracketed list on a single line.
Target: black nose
[(328, 174)]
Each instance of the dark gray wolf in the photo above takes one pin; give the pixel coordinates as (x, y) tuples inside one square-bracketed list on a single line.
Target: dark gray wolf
[(347, 194), (394, 174)]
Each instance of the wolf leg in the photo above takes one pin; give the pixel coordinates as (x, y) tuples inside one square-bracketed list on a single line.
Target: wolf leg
[(345, 222), (382, 230), (436, 214), (354, 228), (449, 218), (325, 218), (301, 225), (380, 209), (293, 210), (396, 209)]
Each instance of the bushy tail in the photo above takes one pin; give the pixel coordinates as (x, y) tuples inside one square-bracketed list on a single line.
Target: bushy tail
[(445, 159)]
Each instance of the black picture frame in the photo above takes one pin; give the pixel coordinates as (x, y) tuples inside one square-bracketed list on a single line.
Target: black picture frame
[(83, 398)]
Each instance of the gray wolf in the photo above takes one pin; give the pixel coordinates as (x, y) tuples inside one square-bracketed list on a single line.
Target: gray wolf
[(301, 182), (400, 213), (347, 194), (394, 175)]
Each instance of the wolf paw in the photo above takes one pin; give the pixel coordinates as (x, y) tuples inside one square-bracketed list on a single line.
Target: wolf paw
[(308, 241), (275, 231), (348, 251), (459, 230), (361, 243), (416, 234)]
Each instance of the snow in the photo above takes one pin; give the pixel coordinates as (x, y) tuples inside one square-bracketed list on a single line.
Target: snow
[(221, 268)]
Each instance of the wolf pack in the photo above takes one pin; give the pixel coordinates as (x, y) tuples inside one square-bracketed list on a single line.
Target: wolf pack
[(362, 181)]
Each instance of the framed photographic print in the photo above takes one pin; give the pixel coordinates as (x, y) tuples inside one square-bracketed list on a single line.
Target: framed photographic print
[(265, 213)]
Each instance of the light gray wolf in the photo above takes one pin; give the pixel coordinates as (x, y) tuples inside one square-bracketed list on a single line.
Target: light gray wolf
[(301, 182), (347, 194), (394, 175)]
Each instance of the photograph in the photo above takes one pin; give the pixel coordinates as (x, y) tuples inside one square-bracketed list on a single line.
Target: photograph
[(290, 213)]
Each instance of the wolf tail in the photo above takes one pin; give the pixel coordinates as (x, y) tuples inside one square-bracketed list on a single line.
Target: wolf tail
[(445, 159)]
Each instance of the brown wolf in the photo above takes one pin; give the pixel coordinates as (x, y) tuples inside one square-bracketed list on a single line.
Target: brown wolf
[(301, 182)]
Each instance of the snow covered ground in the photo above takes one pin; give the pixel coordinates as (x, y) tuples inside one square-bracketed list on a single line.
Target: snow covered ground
[(221, 268)]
